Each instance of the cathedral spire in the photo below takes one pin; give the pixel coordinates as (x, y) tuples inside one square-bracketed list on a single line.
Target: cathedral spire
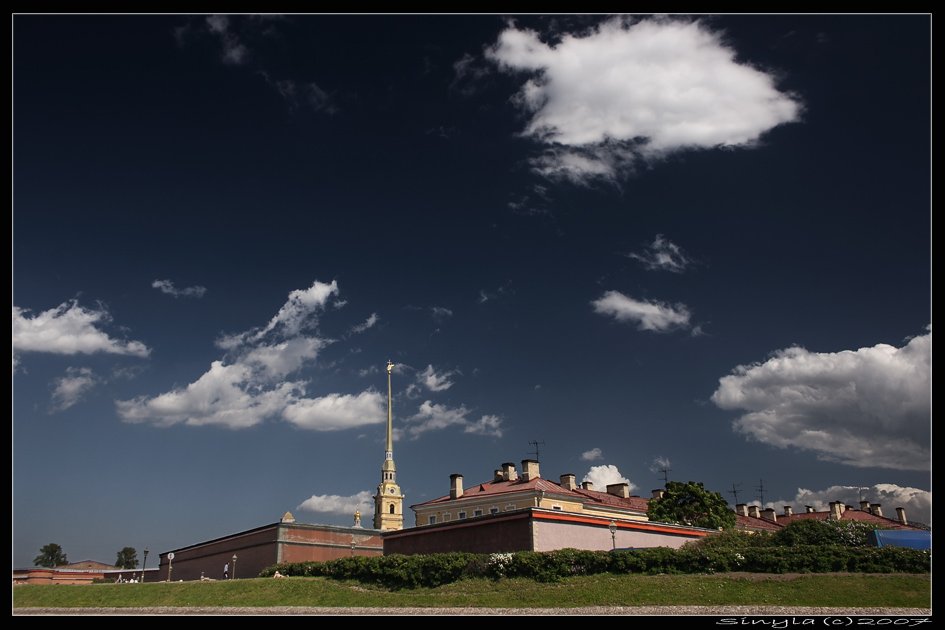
[(389, 454), (389, 502)]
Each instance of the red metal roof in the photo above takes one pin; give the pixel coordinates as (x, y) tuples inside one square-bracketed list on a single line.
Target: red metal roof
[(496, 488)]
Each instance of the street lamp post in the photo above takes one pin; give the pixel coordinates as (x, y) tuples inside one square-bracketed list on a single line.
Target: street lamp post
[(613, 534), (170, 565), (144, 564), (234, 566)]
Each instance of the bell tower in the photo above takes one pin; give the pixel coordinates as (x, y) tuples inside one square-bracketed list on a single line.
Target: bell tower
[(389, 501)]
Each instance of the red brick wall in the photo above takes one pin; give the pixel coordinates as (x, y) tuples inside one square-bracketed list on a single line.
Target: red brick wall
[(477, 536), (255, 550), (308, 545)]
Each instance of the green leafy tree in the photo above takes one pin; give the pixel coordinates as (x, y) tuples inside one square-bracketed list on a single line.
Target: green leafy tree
[(691, 504), (127, 558), (50, 556)]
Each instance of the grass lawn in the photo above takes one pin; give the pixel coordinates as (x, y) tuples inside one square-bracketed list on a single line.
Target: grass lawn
[(834, 590)]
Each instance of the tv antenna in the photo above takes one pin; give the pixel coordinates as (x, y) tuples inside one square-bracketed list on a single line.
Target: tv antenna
[(665, 470), (760, 488), (536, 452), (734, 491)]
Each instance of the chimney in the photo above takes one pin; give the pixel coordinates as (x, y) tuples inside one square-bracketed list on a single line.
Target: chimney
[(497, 476), (788, 510), (508, 472), (456, 486), (619, 490), (877, 509), (741, 509), (568, 481), (587, 485), (530, 469), (836, 509), (753, 511), (901, 513), (865, 506), (809, 509), (769, 515), (658, 493)]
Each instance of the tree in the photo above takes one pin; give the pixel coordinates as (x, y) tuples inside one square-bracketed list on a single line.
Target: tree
[(127, 558), (691, 504), (50, 556)]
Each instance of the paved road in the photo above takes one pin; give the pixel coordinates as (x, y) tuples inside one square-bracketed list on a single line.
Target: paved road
[(729, 611)]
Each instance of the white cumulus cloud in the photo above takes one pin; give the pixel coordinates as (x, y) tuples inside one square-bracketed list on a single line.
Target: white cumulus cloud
[(592, 455), (252, 382), (69, 329), (167, 287), (656, 316), (636, 88), (69, 389), (869, 407), (433, 381), (337, 411), (917, 502), (432, 417), (368, 323), (335, 504), (605, 475), (662, 255)]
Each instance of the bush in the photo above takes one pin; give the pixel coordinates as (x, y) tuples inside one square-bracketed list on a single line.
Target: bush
[(397, 572), (811, 532)]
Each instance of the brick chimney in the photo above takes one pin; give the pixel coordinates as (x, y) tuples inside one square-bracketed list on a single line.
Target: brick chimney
[(836, 510), (809, 509), (619, 490), (508, 472), (530, 469), (769, 515), (901, 514), (865, 506), (587, 485), (456, 486), (658, 493), (877, 509), (788, 510), (753, 511), (742, 509), (569, 481)]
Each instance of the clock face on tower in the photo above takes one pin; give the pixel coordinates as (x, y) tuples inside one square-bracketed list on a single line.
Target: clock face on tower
[(391, 490)]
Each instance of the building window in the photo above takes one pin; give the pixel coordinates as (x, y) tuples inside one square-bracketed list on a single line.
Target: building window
[(477, 513), (493, 510), (556, 507), (462, 515), (391, 508), (432, 520)]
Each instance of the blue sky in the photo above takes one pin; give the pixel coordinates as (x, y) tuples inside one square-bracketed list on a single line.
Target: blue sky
[(702, 240)]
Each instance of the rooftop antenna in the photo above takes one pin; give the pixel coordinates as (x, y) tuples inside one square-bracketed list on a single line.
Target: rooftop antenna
[(665, 470), (536, 452), (760, 488), (734, 491)]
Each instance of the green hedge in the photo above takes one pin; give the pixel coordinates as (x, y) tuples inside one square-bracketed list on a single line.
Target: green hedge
[(432, 570)]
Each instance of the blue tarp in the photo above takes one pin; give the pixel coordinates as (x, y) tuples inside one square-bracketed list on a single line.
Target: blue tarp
[(901, 538)]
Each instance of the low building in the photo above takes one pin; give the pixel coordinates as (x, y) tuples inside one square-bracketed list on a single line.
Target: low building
[(754, 518), (247, 553), (524, 512), (67, 574)]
